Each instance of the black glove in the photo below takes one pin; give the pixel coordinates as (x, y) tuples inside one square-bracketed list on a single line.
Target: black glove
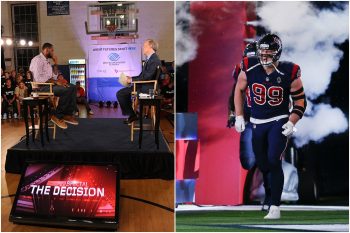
[(231, 121)]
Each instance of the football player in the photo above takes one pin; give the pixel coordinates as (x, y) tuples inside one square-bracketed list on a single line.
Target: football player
[(247, 156), (270, 83)]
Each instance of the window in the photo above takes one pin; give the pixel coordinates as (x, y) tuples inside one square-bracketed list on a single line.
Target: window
[(25, 26), (25, 22), (24, 56)]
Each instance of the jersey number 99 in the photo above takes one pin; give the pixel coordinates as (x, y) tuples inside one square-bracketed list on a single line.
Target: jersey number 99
[(274, 93)]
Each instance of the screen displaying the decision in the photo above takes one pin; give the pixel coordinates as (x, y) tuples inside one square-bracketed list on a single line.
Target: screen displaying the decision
[(73, 191)]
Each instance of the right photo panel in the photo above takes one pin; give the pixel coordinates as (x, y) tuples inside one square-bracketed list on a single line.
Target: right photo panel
[(262, 116)]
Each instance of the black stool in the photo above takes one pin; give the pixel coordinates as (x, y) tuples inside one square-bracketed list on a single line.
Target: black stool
[(156, 101), (32, 102)]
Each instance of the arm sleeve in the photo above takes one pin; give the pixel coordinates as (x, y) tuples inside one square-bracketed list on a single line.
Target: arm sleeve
[(148, 73), (36, 71), (296, 72)]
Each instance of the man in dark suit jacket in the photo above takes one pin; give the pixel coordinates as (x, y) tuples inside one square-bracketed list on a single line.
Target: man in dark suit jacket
[(149, 72)]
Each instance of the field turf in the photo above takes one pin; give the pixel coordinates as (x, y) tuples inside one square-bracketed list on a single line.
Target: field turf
[(238, 220)]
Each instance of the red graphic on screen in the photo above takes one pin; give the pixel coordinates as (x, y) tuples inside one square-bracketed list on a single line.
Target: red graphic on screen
[(69, 190)]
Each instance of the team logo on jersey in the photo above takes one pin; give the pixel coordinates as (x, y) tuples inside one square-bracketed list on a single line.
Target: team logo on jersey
[(267, 79), (279, 80)]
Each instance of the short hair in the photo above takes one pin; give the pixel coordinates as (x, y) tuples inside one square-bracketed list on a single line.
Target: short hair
[(153, 44), (77, 82), (47, 45)]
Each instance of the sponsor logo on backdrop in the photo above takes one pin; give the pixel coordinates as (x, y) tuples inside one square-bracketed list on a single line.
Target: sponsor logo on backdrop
[(113, 56), (104, 60)]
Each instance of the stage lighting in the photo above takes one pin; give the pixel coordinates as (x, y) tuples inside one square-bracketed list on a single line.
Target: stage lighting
[(22, 42), (8, 41), (119, 4), (100, 104), (30, 43), (115, 104), (108, 22), (108, 104), (2, 42)]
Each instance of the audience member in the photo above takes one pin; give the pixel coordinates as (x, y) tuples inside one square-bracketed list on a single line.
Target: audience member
[(81, 99), (9, 99), (28, 81), (13, 76), (21, 92), (62, 80), (167, 91), (19, 79)]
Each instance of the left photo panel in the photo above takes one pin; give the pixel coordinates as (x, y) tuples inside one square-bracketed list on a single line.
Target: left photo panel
[(87, 116)]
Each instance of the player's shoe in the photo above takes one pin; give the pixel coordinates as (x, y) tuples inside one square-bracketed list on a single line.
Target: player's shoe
[(274, 213)]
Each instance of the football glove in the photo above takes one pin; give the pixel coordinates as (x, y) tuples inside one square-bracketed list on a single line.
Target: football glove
[(289, 129), (231, 120), (240, 124)]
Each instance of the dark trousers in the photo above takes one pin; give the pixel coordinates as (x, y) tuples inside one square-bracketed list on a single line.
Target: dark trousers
[(67, 103), (246, 155), (83, 100), (124, 99), (268, 144), (5, 107)]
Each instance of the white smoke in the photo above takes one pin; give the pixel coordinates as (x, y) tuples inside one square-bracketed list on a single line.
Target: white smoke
[(323, 124), (308, 36), (186, 43)]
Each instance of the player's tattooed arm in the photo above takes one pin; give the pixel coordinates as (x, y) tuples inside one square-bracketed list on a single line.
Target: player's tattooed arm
[(299, 101)]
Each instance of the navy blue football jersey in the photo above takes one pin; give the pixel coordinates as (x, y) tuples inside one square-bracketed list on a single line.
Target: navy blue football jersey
[(269, 93)]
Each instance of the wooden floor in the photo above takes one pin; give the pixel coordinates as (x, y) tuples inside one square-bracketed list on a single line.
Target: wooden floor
[(135, 215)]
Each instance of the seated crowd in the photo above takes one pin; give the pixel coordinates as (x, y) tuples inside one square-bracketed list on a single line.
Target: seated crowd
[(14, 88)]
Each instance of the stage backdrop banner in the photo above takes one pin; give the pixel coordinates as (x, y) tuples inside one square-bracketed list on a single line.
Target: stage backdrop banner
[(105, 65)]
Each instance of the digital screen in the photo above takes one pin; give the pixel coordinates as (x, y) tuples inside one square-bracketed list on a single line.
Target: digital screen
[(73, 191)]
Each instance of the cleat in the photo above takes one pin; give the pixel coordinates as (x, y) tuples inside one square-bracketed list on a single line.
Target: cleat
[(274, 213)]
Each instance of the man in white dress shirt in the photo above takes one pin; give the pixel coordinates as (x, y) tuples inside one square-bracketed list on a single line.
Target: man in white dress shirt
[(42, 71)]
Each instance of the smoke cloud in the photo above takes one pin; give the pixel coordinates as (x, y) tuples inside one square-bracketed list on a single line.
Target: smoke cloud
[(186, 43), (308, 36)]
